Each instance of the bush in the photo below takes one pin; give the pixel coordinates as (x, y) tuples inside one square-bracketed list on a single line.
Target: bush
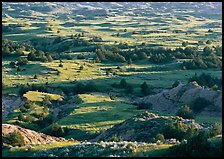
[(60, 65), (185, 112), (216, 130), (15, 139), (21, 117), (160, 137), (115, 138), (57, 130), (35, 76), (197, 146)]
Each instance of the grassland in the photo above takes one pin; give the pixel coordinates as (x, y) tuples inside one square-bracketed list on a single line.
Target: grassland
[(19, 151), (98, 112)]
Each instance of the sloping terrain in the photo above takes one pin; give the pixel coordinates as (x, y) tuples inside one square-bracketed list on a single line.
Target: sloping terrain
[(9, 104), (146, 126), (169, 101), (30, 136)]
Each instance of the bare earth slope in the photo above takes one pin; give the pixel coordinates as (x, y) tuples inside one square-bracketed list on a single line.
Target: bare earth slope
[(169, 101), (30, 136)]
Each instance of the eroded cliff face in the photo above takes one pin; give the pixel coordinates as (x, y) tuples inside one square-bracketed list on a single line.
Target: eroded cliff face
[(30, 136), (169, 101)]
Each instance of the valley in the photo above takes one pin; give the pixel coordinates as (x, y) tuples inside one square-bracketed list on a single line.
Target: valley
[(111, 79)]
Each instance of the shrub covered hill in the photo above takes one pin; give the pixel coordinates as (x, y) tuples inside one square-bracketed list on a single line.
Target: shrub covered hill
[(170, 100), (145, 127)]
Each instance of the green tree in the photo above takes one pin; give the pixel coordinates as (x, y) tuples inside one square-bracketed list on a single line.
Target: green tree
[(175, 84), (209, 42), (123, 83), (81, 67), (31, 56), (60, 65), (15, 139), (57, 130), (145, 89), (97, 60), (216, 130), (22, 61), (185, 43), (47, 100), (160, 137), (49, 58), (185, 112), (142, 56), (43, 59), (116, 138), (207, 50), (35, 76)]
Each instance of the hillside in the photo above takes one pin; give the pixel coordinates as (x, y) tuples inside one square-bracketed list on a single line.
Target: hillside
[(29, 136), (144, 127), (170, 100), (111, 79)]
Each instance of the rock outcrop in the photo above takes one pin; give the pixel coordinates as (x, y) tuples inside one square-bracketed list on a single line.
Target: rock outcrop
[(144, 127), (169, 101), (30, 136)]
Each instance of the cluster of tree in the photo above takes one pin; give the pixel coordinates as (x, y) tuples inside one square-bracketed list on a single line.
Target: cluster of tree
[(11, 28), (80, 88), (38, 55), (27, 87), (21, 62), (77, 35), (96, 39), (58, 130), (124, 85), (69, 45), (207, 80), (199, 104), (103, 54), (15, 49), (122, 53), (178, 130), (116, 138), (197, 146), (161, 58), (211, 61)]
